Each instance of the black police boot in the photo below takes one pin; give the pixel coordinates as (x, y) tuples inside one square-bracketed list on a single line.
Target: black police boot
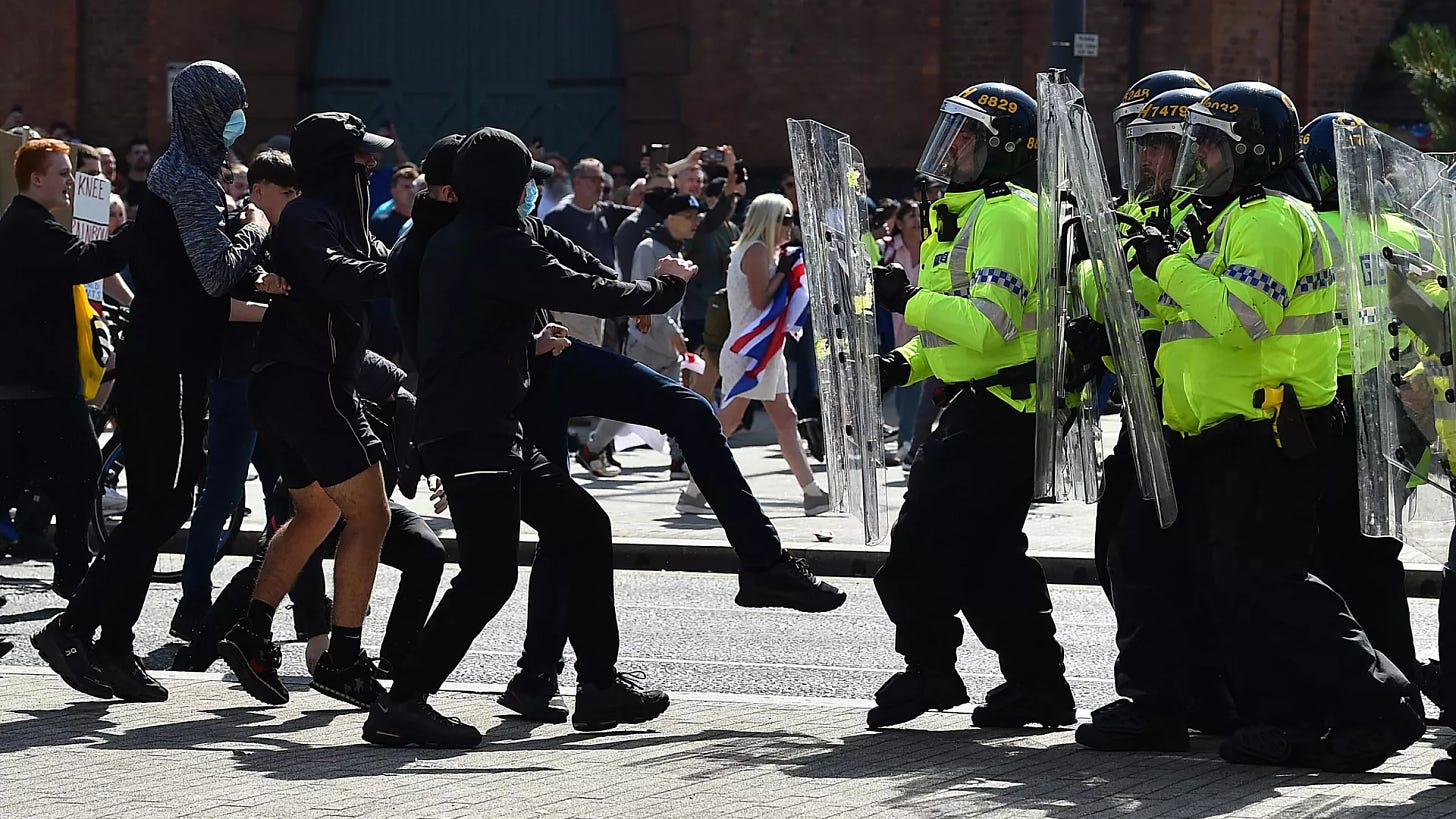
[(1123, 725), (604, 707), (788, 583), (1366, 746), (534, 695), (914, 691), (1264, 743), (1017, 705)]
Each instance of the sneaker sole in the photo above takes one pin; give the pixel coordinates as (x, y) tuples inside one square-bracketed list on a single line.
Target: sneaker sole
[(830, 603), (882, 716), (58, 664), (589, 727), (251, 683), (389, 740), (340, 696), (1052, 723), (1098, 740), (549, 714)]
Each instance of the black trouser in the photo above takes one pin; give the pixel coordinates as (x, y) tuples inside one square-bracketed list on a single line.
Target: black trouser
[(49, 444), (1366, 571), (1119, 482), (1291, 646), (410, 546), (1167, 652), (493, 485), (1446, 629), (587, 380), (958, 546), (161, 415)]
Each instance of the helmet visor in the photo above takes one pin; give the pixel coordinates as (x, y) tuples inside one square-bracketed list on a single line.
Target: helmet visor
[(1205, 160), (956, 151), (1152, 150)]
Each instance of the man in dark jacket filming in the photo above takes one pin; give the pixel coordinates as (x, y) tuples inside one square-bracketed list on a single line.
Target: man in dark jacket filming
[(482, 281), (304, 403)]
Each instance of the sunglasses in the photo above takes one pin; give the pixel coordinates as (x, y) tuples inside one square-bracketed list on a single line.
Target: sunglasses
[(789, 219)]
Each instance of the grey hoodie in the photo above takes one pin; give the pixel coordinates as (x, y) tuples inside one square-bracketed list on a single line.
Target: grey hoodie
[(204, 96)]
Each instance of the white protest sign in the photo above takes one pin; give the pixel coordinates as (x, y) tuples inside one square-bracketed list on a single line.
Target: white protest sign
[(90, 216)]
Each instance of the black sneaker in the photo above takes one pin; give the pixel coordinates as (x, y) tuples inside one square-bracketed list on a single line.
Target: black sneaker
[(69, 655), (128, 680), (1364, 747), (533, 695), (788, 584), (188, 619), (354, 683), (912, 692), (604, 707), (66, 584), (193, 657), (255, 661), (1122, 725), (1267, 744), (812, 429), (413, 722), (1017, 705)]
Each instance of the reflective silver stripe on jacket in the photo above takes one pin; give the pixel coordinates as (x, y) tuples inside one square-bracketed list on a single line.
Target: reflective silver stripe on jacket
[(1306, 325), (962, 279), (1029, 324)]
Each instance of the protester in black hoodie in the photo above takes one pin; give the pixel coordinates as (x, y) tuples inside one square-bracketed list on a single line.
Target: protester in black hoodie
[(481, 285), (184, 267), (305, 405)]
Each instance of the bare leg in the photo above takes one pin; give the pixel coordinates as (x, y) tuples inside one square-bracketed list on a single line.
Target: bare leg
[(314, 516), (786, 424), (732, 415), (365, 506)]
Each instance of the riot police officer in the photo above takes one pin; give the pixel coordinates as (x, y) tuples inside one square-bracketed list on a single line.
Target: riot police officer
[(957, 544), (1248, 363)]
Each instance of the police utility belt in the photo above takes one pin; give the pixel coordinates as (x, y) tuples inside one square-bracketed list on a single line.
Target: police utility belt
[(1018, 377), (1293, 428)]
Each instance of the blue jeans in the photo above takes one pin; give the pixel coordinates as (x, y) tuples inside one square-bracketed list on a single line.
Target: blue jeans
[(587, 380), (907, 408), (805, 393), (230, 440)]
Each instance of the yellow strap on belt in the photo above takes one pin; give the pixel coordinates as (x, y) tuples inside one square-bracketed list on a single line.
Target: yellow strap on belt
[(1271, 398)]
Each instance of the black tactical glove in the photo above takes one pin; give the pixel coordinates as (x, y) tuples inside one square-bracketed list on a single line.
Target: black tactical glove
[(1087, 339), (894, 371), (1080, 251), (1150, 248), (893, 289)]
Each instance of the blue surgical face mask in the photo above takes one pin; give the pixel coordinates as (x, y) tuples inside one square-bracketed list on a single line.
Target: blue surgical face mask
[(533, 194), (236, 124)]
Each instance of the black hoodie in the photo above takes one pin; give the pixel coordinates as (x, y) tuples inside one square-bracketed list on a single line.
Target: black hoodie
[(323, 248), (481, 283), (404, 268)]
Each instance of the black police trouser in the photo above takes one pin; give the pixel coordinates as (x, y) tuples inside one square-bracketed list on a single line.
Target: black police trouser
[(958, 546), (1119, 483), (1167, 653), (1366, 571), (161, 417), (49, 444), (1446, 630), (1290, 644), (493, 485)]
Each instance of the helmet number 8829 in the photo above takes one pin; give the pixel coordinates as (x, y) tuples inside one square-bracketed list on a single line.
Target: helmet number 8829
[(998, 103)]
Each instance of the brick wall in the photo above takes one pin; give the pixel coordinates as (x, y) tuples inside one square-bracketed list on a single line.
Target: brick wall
[(38, 70)]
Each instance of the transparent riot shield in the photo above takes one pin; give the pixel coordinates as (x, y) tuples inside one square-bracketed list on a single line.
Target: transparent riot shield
[(1068, 461), (831, 177), (1142, 417), (1395, 218)]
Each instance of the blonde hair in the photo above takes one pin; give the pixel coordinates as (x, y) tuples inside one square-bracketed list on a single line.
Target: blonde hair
[(764, 218)]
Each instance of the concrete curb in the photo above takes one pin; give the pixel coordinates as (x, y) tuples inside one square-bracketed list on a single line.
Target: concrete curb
[(653, 554)]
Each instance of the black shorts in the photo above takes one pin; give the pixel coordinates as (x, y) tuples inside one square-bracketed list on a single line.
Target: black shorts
[(313, 426)]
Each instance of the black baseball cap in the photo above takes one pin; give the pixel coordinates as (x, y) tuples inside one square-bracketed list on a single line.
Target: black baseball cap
[(320, 138), (679, 202), (438, 165)]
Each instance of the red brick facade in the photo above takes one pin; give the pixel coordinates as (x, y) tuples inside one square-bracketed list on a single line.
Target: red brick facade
[(700, 71)]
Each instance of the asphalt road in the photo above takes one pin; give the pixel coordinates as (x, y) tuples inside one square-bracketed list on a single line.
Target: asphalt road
[(681, 629)]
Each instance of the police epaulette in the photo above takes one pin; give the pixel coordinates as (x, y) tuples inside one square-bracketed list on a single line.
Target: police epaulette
[(1252, 194), (996, 189)]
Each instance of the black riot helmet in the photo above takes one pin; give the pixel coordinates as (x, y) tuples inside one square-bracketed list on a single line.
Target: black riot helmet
[(1140, 94), (1317, 138), (1153, 138), (1239, 135), (985, 134)]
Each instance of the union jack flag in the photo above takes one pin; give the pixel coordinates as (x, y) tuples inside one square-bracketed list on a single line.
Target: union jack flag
[(763, 338)]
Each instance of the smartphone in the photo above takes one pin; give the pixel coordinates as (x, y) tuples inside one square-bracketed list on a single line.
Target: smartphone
[(657, 152), (713, 156)]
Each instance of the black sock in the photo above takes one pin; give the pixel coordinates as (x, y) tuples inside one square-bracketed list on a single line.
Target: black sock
[(259, 619), (344, 645)]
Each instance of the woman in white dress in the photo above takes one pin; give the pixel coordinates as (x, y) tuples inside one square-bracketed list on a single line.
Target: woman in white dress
[(753, 281)]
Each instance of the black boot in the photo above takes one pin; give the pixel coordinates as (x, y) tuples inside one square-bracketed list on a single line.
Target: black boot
[(914, 691), (128, 680), (789, 584), (1017, 705), (1122, 725)]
